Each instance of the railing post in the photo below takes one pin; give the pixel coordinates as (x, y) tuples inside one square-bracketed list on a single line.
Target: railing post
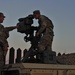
[(11, 55)]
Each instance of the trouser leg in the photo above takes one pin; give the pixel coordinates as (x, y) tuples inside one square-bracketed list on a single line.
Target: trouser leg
[(45, 47), (1, 59)]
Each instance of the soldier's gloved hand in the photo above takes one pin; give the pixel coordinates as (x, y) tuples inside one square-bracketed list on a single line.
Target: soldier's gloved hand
[(17, 25)]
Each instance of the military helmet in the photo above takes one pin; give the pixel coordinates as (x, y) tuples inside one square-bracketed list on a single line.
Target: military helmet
[(36, 12), (1, 14)]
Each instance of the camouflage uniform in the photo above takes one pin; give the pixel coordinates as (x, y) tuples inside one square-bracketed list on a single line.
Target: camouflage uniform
[(4, 34), (46, 29)]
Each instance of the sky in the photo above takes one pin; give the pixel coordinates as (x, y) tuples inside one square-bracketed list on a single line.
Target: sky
[(61, 12)]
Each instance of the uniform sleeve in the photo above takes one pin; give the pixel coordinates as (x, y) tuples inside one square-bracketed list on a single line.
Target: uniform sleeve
[(1, 27), (10, 28), (42, 26)]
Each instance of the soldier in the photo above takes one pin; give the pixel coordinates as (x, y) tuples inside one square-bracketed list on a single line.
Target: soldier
[(4, 34), (46, 30)]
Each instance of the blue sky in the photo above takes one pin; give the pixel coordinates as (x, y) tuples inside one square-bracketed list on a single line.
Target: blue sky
[(61, 12)]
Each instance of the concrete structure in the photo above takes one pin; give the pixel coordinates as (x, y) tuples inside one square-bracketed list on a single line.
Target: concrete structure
[(38, 69)]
